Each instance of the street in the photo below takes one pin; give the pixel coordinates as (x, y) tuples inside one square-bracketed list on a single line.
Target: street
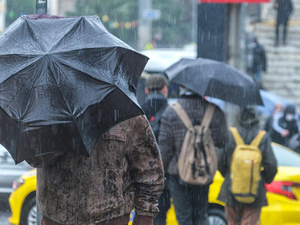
[(4, 218), (4, 214)]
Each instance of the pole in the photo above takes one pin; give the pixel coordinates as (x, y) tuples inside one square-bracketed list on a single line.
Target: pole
[(144, 26), (41, 6), (211, 36), (194, 20)]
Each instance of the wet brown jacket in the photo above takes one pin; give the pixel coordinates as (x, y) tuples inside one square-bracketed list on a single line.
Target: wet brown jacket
[(124, 172)]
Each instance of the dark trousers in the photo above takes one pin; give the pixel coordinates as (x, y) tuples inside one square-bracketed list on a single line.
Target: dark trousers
[(164, 204), (284, 24), (190, 201), (123, 220), (242, 215)]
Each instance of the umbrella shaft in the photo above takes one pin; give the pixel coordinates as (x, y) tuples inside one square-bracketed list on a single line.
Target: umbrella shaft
[(41, 6)]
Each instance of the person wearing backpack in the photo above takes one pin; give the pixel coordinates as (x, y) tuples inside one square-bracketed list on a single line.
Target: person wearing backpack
[(156, 103), (189, 131), (248, 163)]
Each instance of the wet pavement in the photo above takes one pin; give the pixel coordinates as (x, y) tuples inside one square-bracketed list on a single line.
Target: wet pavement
[(4, 214)]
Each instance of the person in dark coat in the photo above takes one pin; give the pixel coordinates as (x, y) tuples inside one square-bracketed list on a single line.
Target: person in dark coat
[(286, 125), (190, 201), (248, 128), (156, 102), (259, 61), (284, 10), (277, 112)]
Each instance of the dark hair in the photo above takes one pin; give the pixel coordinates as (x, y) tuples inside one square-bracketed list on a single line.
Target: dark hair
[(156, 82)]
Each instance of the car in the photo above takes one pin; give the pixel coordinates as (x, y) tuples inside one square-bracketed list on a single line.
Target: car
[(8, 173), (283, 195)]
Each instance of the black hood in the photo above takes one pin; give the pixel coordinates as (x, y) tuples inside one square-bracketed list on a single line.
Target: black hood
[(247, 116)]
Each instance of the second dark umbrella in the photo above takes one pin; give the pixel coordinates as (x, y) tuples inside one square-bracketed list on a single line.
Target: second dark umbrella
[(215, 79)]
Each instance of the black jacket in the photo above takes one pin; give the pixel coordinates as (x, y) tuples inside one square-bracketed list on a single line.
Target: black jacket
[(154, 107), (172, 130), (285, 9), (259, 59)]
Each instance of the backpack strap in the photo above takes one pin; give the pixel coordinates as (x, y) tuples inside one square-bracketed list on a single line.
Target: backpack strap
[(257, 140), (237, 137), (182, 115), (208, 116)]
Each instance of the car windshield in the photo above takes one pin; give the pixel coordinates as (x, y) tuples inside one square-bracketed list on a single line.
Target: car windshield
[(286, 157)]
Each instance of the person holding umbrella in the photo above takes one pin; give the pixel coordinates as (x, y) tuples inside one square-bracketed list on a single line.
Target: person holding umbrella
[(190, 201), (198, 78), (68, 107)]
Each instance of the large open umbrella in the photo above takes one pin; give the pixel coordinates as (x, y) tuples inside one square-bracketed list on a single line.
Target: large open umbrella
[(215, 79), (63, 83)]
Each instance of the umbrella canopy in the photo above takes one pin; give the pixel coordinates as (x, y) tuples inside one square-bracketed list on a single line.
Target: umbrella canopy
[(63, 83), (215, 79)]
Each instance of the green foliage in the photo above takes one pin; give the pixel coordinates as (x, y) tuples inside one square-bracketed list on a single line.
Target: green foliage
[(16, 8), (116, 10), (174, 26)]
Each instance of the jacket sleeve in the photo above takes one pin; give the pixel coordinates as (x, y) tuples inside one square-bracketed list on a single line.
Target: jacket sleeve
[(166, 137), (291, 8), (269, 161), (264, 60), (146, 169), (275, 123), (223, 153)]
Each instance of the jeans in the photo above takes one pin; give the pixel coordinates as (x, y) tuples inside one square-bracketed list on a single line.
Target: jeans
[(164, 203), (258, 76), (190, 201)]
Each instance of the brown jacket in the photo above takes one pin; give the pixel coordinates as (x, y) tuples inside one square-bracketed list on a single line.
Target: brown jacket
[(124, 172)]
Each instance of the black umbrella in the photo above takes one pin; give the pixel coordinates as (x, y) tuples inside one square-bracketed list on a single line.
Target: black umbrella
[(63, 83), (215, 79)]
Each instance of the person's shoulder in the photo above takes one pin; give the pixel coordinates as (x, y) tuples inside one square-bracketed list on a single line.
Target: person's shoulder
[(131, 123), (169, 113), (218, 113), (265, 141)]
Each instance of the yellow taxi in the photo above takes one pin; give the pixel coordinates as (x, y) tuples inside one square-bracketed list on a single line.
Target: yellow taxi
[(283, 196)]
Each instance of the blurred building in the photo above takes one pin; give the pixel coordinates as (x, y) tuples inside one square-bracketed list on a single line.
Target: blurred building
[(282, 77), (2, 15), (59, 8)]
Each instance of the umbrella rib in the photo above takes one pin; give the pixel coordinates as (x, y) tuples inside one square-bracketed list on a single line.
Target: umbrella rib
[(32, 34), (71, 29), (77, 69), (20, 69), (91, 78), (30, 90), (16, 93), (69, 108)]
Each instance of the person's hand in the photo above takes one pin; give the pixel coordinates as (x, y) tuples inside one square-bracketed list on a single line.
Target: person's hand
[(276, 6), (143, 220), (285, 133)]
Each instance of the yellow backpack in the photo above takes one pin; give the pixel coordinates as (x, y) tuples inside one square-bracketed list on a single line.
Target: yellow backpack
[(245, 168)]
